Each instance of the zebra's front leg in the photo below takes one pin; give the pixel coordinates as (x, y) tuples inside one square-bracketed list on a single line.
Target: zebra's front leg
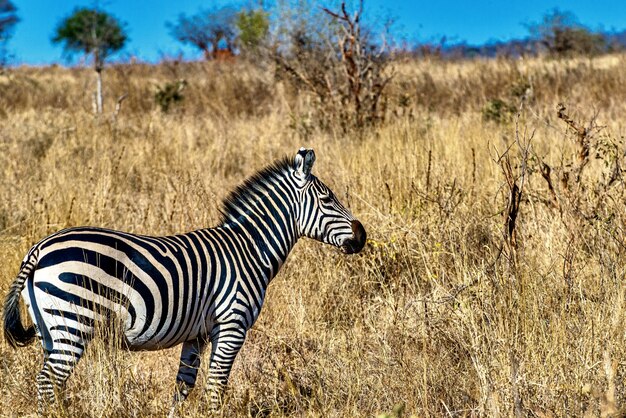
[(187, 371), (226, 341)]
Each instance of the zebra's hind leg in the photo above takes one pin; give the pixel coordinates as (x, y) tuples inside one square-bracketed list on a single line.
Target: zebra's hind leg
[(59, 362), (64, 331), (226, 341), (187, 371)]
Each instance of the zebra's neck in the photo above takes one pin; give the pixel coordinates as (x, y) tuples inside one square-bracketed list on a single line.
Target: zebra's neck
[(263, 213), (267, 241)]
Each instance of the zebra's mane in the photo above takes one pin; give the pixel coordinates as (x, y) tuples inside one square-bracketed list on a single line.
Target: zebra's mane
[(247, 191)]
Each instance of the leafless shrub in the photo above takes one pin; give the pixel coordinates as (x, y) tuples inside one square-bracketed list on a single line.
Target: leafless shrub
[(344, 69), (515, 178), (576, 195)]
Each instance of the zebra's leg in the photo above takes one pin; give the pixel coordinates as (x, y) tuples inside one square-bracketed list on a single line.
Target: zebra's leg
[(226, 341), (64, 331), (59, 362), (188, 370)]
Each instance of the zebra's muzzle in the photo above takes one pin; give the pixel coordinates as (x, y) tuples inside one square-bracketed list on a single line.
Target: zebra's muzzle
[(357, 242)]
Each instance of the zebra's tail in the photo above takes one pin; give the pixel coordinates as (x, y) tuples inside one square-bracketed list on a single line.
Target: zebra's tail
[(14, 331)]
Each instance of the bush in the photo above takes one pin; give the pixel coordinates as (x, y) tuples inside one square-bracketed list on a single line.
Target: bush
[(497, 110), (253, 28), (169, 94)]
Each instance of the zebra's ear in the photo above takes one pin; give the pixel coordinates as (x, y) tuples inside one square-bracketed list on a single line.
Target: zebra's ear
[(303, 163)]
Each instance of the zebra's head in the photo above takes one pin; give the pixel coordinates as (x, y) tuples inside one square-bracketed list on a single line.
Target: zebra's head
[(320, 214)]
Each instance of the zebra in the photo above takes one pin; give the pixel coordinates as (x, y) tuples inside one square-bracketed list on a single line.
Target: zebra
[(201, 287)]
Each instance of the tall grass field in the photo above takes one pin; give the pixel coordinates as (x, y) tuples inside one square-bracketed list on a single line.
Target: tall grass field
[(493, 195)]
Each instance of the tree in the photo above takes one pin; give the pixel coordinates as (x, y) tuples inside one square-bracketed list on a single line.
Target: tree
[(562, 35), (207, 29), (254, 26), (8, 19), (92, 32)]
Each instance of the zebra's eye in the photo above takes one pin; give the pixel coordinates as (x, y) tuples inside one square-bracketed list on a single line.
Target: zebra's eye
[(326, 199)]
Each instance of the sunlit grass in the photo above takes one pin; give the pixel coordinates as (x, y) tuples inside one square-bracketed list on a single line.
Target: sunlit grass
[(432, 318)]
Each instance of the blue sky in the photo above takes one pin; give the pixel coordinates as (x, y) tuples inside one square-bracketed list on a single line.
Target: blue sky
[(474, 21)]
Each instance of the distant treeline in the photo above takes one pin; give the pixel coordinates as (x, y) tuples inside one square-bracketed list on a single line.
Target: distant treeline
[(612, 42), (559, 34)]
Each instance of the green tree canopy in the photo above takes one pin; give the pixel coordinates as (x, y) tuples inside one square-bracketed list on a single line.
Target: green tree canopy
[(91, 31), (254, 26)]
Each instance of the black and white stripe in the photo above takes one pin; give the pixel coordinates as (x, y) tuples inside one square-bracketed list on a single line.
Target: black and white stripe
[(203, 286)]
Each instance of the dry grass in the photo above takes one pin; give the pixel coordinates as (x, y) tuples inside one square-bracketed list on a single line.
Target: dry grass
[(441, 312)]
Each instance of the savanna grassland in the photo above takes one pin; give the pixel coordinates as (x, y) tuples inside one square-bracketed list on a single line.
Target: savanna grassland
[(452, 309)]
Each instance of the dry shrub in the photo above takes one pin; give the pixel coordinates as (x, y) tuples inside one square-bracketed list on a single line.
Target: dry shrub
[(340, 66)]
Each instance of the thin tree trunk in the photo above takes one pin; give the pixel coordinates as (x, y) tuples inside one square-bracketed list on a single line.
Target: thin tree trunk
[(99, 91), (214, 48), (98, 67)]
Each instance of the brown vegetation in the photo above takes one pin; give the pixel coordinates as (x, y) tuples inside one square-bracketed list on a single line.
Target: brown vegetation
[(452, 309)]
